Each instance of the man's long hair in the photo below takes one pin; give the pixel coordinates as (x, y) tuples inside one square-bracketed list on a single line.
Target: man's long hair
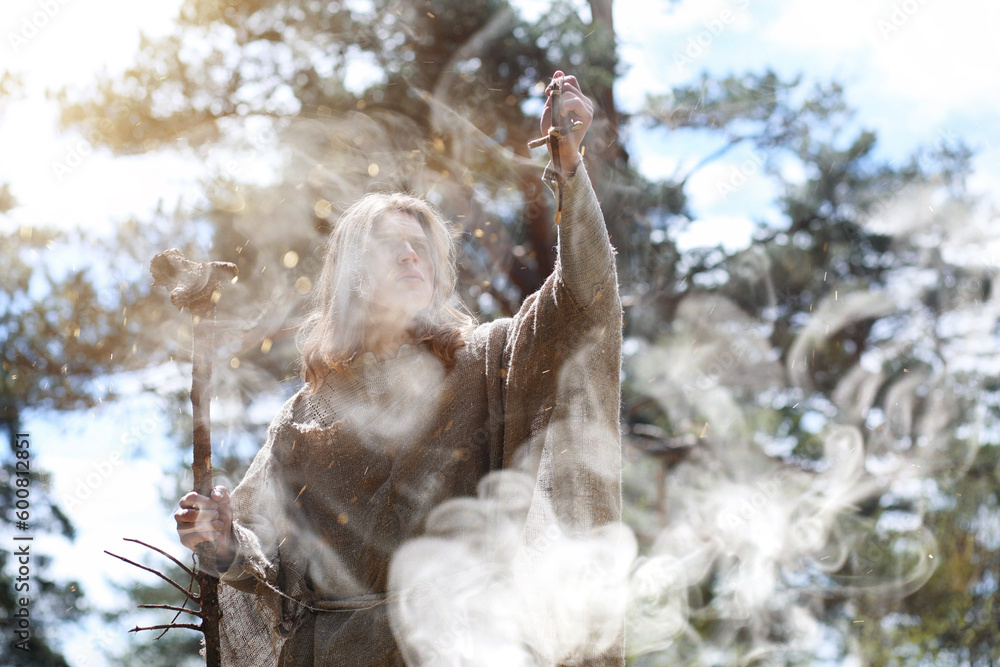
[(333, 333)]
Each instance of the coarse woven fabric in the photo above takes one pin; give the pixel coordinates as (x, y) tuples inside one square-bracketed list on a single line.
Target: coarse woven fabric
[(354, 471)]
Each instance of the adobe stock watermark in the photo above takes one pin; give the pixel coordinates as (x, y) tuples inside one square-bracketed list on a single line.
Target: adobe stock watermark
[(93, 478), (899, 16), (741, 174), (726, 361), (701, 42), (79, 151), (762, 497), (222, 186), (887, 194), (33, 24)]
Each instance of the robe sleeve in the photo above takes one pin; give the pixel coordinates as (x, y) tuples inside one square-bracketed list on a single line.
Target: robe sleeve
[(563, 361), (561, 406), (256, 616)]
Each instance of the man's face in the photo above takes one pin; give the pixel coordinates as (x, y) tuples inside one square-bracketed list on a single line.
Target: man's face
[(400, 266)]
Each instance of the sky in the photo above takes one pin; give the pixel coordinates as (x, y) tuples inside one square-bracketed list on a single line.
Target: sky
[(917, 71)]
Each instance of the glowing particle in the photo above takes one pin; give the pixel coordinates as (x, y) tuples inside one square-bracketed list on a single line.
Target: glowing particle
[(234, 363), (301, 491), (265, 345), (342, 519), (704, 430), (323, 209), (479, 233), (373, 170), (303, 285), (290, 259), (430, 16)]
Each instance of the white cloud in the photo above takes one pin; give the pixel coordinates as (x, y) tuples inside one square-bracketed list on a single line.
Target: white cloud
[(62, 42), (733, 233)]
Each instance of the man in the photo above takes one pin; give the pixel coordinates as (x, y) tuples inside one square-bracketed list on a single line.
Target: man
[(410, 433)]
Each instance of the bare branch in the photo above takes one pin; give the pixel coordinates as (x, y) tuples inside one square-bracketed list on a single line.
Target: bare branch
[(712, 157), (187, 593), (169, 626), (179, 564), (171, 607)]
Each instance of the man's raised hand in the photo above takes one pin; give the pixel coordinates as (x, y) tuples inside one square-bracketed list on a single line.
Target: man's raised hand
[(577, 113)]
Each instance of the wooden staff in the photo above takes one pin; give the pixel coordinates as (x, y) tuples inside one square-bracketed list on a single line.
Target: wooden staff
[(196, 287)]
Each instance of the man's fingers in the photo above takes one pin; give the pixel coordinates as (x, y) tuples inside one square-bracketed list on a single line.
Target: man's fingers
[(193, 539), (196, 516), (204, 518), (576, 104), (211, 529), (195, 501), (221, 496)]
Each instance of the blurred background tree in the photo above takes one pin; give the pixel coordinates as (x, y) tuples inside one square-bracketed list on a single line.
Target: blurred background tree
[(52, 602), (810, 425)]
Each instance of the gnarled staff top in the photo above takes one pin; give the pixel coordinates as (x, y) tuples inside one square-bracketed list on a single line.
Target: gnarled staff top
[(191, 284)]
